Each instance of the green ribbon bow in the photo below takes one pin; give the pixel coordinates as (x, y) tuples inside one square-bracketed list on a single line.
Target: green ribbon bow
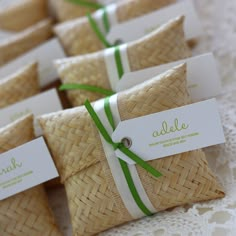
[(125, 150)]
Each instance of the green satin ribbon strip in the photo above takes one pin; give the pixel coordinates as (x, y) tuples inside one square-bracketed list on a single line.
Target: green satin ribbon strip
[(83, 3), (118, 60), (105, 20), (90, 88), (133, 189), (98, 32), (125, 150), (124, 166)]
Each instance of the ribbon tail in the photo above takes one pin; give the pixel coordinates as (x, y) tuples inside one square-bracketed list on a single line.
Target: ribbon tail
[(140, 162)]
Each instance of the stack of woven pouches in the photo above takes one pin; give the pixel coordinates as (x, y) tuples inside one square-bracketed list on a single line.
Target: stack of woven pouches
[(103, 191), (96, 196)]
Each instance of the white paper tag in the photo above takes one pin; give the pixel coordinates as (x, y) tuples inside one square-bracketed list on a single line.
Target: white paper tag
[(171, 132), (141, 26), (25, 167), (43, 103), (202, 76), (5, 34), (106, 2), (8, 3), (44, 54)]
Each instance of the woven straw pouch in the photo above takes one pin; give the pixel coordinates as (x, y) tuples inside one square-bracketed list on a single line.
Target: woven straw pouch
[(23, 14), (65, 10), (78, 37), (94, 201), (19, 86), (24, 41), (26, 213), (164, 45)]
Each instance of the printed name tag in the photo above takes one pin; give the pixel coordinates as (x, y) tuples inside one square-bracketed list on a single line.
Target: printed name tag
[(25, 167), (8, 3), (171, 132), (5, 34), (44, 54), (43, 103), (139, 27), (106, 2), (202, 76)]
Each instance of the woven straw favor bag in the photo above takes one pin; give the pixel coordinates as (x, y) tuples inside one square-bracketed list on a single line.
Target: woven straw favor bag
[(94, 201), (19, 86), (164, 45), (78, 37), (24, 41), (26, 213), (65, 10), (22, 14)]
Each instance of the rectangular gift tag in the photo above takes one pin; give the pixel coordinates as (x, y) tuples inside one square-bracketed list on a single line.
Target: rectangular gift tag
[(5, 34), (44, 54), (140, 26), (43, 103), (171, 132), (25, 167), (106, 2), (8, 3), (202, 76)]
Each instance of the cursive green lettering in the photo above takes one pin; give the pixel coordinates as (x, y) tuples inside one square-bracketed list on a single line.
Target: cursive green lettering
[(11, 167), (167, 129)]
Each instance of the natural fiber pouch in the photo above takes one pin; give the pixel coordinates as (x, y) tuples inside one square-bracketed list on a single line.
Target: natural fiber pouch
[(71, 9), (22, 14), (78, 37), (19, 86), (26, 213), (95, 201), (24, 41), (164, 45)]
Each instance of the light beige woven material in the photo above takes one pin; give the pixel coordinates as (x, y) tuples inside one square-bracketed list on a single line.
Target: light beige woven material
[(26, 213), (164, 45), (94, 201), (24, 41), (65, 10), (23, 14), (77, 36), (19, 86)]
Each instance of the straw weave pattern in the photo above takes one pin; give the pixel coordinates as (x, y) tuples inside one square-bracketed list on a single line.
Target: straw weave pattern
[(24, 41), (26, 213), (66, 11), (19, 16), (164, 45), (94, 201), (19, 86), (77, 36)]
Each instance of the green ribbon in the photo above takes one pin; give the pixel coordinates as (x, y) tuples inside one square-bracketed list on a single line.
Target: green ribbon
[(90, 88), (105, 20), (125, 150), (119, 65), (98, 32), (93, 5)]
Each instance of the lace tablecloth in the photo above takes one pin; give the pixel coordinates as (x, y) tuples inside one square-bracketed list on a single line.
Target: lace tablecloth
[(212, 218)]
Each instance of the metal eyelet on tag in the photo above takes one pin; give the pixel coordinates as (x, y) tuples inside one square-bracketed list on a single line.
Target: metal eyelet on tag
[(127, 142)]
